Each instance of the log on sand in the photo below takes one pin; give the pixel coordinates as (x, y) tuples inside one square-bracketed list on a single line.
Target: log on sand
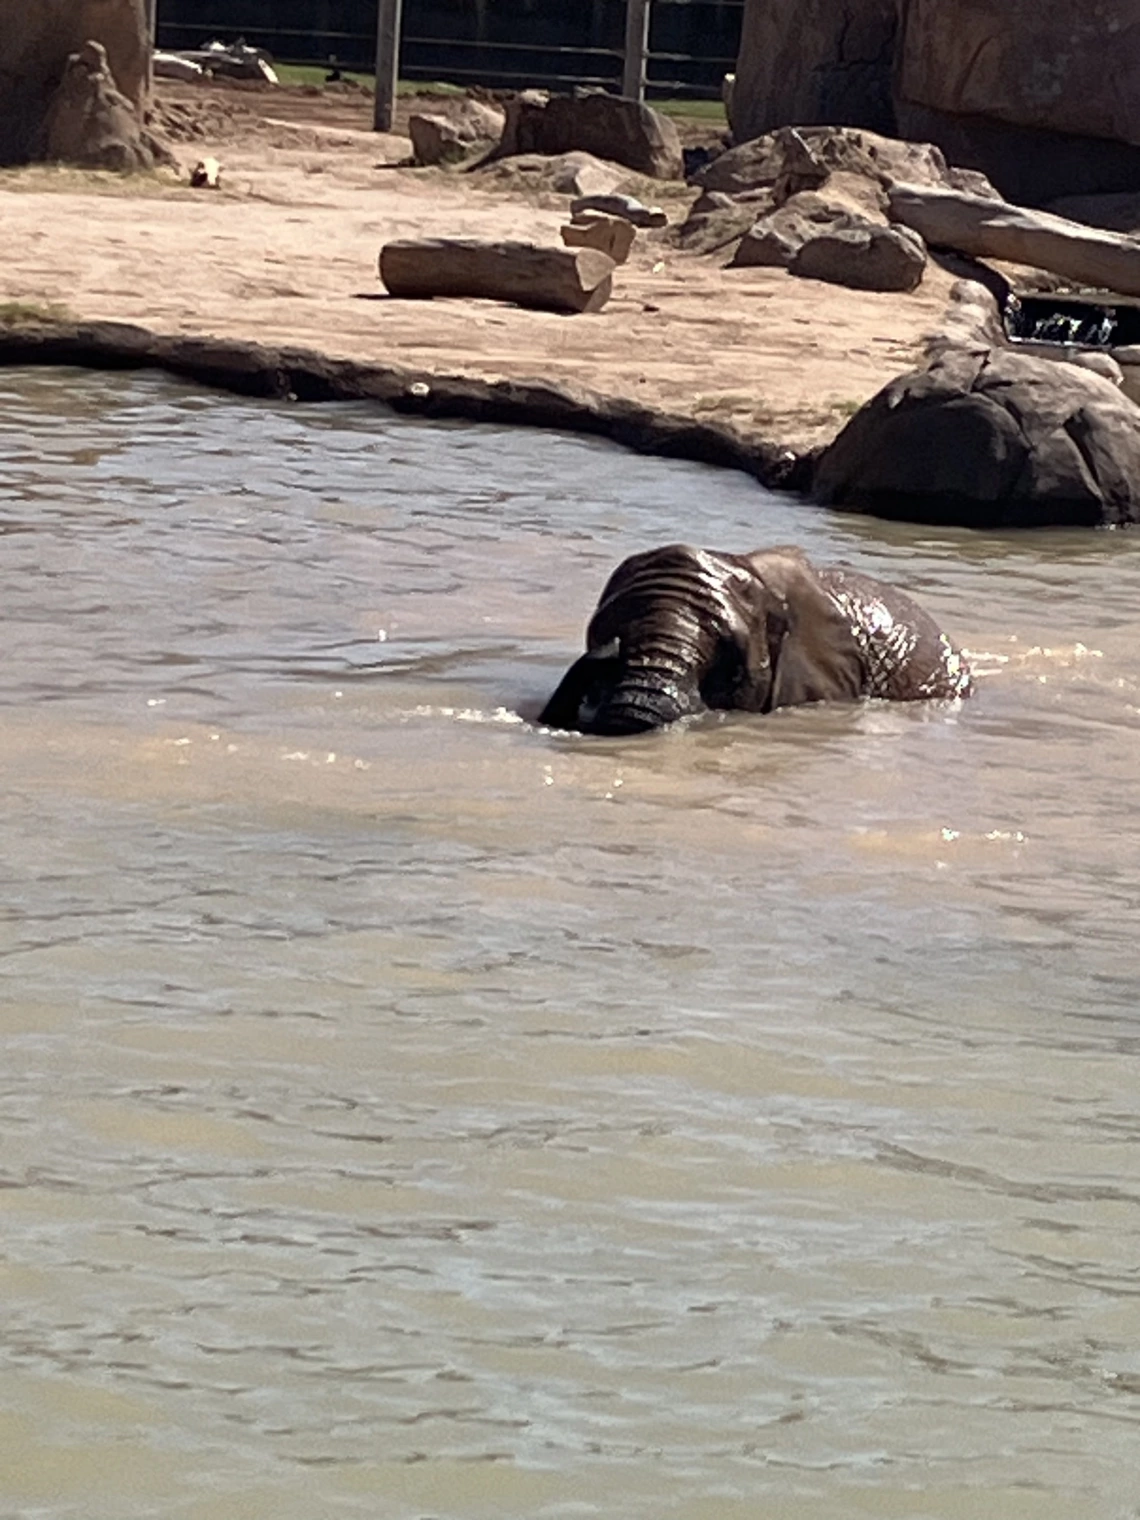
[(989, 229), (549, 278)]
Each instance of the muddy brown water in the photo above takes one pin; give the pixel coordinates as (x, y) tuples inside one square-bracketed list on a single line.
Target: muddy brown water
[(408, 1113)]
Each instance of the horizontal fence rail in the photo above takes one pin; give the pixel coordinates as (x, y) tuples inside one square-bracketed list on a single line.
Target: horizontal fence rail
[(508, 44)]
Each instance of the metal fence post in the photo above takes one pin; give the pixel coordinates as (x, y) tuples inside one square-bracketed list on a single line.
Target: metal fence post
[(636, 49), (387, 63), (151, 42)]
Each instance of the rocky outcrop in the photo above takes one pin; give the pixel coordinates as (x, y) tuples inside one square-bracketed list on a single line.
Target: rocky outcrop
[(90, 124), (36, 41), (809, 61), (990, 438), (1043, 98), (862, 257), (450, 136), (826, 223), (873, 157), (608, 126)]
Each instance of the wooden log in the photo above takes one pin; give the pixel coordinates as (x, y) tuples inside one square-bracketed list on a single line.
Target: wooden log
[(990, 229), (548, 278)]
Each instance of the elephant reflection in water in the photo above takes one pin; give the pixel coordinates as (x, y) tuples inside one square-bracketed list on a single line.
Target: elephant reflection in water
[(680, 630)]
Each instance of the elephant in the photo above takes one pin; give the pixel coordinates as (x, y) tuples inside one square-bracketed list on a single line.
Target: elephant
[(680, 630)]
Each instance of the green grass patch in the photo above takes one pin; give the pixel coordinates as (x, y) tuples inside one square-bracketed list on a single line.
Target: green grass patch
[(316, 74), (711, 111), (21, 313)]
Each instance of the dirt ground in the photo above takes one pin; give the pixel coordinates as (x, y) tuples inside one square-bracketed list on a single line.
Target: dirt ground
[(286, 251)]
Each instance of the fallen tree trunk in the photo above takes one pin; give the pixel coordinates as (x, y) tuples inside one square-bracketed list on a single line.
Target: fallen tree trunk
[(996, 230), (551, 279)]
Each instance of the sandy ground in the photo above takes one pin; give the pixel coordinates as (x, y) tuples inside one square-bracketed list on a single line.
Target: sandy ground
[(286, 251)]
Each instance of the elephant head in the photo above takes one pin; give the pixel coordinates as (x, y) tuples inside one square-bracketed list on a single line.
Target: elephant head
[(679, 630)]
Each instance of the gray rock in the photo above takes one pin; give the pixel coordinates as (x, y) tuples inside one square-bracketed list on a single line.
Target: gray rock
[(863, 258), (608, 126), (813, 60), (625, 206), (90, 124), (449, 137), (822, 237), (36, 40), (990, 439), (764, 160)]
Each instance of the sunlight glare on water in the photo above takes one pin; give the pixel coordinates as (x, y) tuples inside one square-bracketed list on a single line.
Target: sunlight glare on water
[(406, 1112)]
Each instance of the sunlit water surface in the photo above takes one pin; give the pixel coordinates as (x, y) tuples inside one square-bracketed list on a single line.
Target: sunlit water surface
[(407, 1112)]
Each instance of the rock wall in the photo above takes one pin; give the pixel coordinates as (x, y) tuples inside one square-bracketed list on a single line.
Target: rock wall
[(814, 63), (1040, 95), (36, 39), (1066, 66), (1043, 98)]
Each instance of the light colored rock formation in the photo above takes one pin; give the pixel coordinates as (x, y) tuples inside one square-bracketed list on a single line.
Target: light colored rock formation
[(628, 207), (996, 230), (608, 126), (866, 257), (827, 237), (575, 174), (990, 438), (449, 136), (36, 40), (762, 162), (611, 235)]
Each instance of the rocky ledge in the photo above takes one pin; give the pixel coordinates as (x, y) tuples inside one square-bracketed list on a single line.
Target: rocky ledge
[(296, 374)]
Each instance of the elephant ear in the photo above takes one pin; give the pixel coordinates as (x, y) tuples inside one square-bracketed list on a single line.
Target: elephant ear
[(811, 650), (580, 691)]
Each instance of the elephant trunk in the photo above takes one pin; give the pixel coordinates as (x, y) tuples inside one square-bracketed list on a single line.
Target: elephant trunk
[(638, 703), (656, 686)]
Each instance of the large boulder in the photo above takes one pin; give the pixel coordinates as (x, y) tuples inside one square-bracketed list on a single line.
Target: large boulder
[(1066, 66), (1043, 98), (813, 61), (36, 40), (990, 438), (608, 126), (1040, 97), (90, 124), (863, 257)]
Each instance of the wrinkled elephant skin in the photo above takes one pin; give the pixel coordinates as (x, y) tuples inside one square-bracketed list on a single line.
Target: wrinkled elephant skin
[(681, 630)]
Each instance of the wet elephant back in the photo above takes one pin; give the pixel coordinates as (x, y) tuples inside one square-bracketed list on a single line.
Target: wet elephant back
[(906, 656)]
